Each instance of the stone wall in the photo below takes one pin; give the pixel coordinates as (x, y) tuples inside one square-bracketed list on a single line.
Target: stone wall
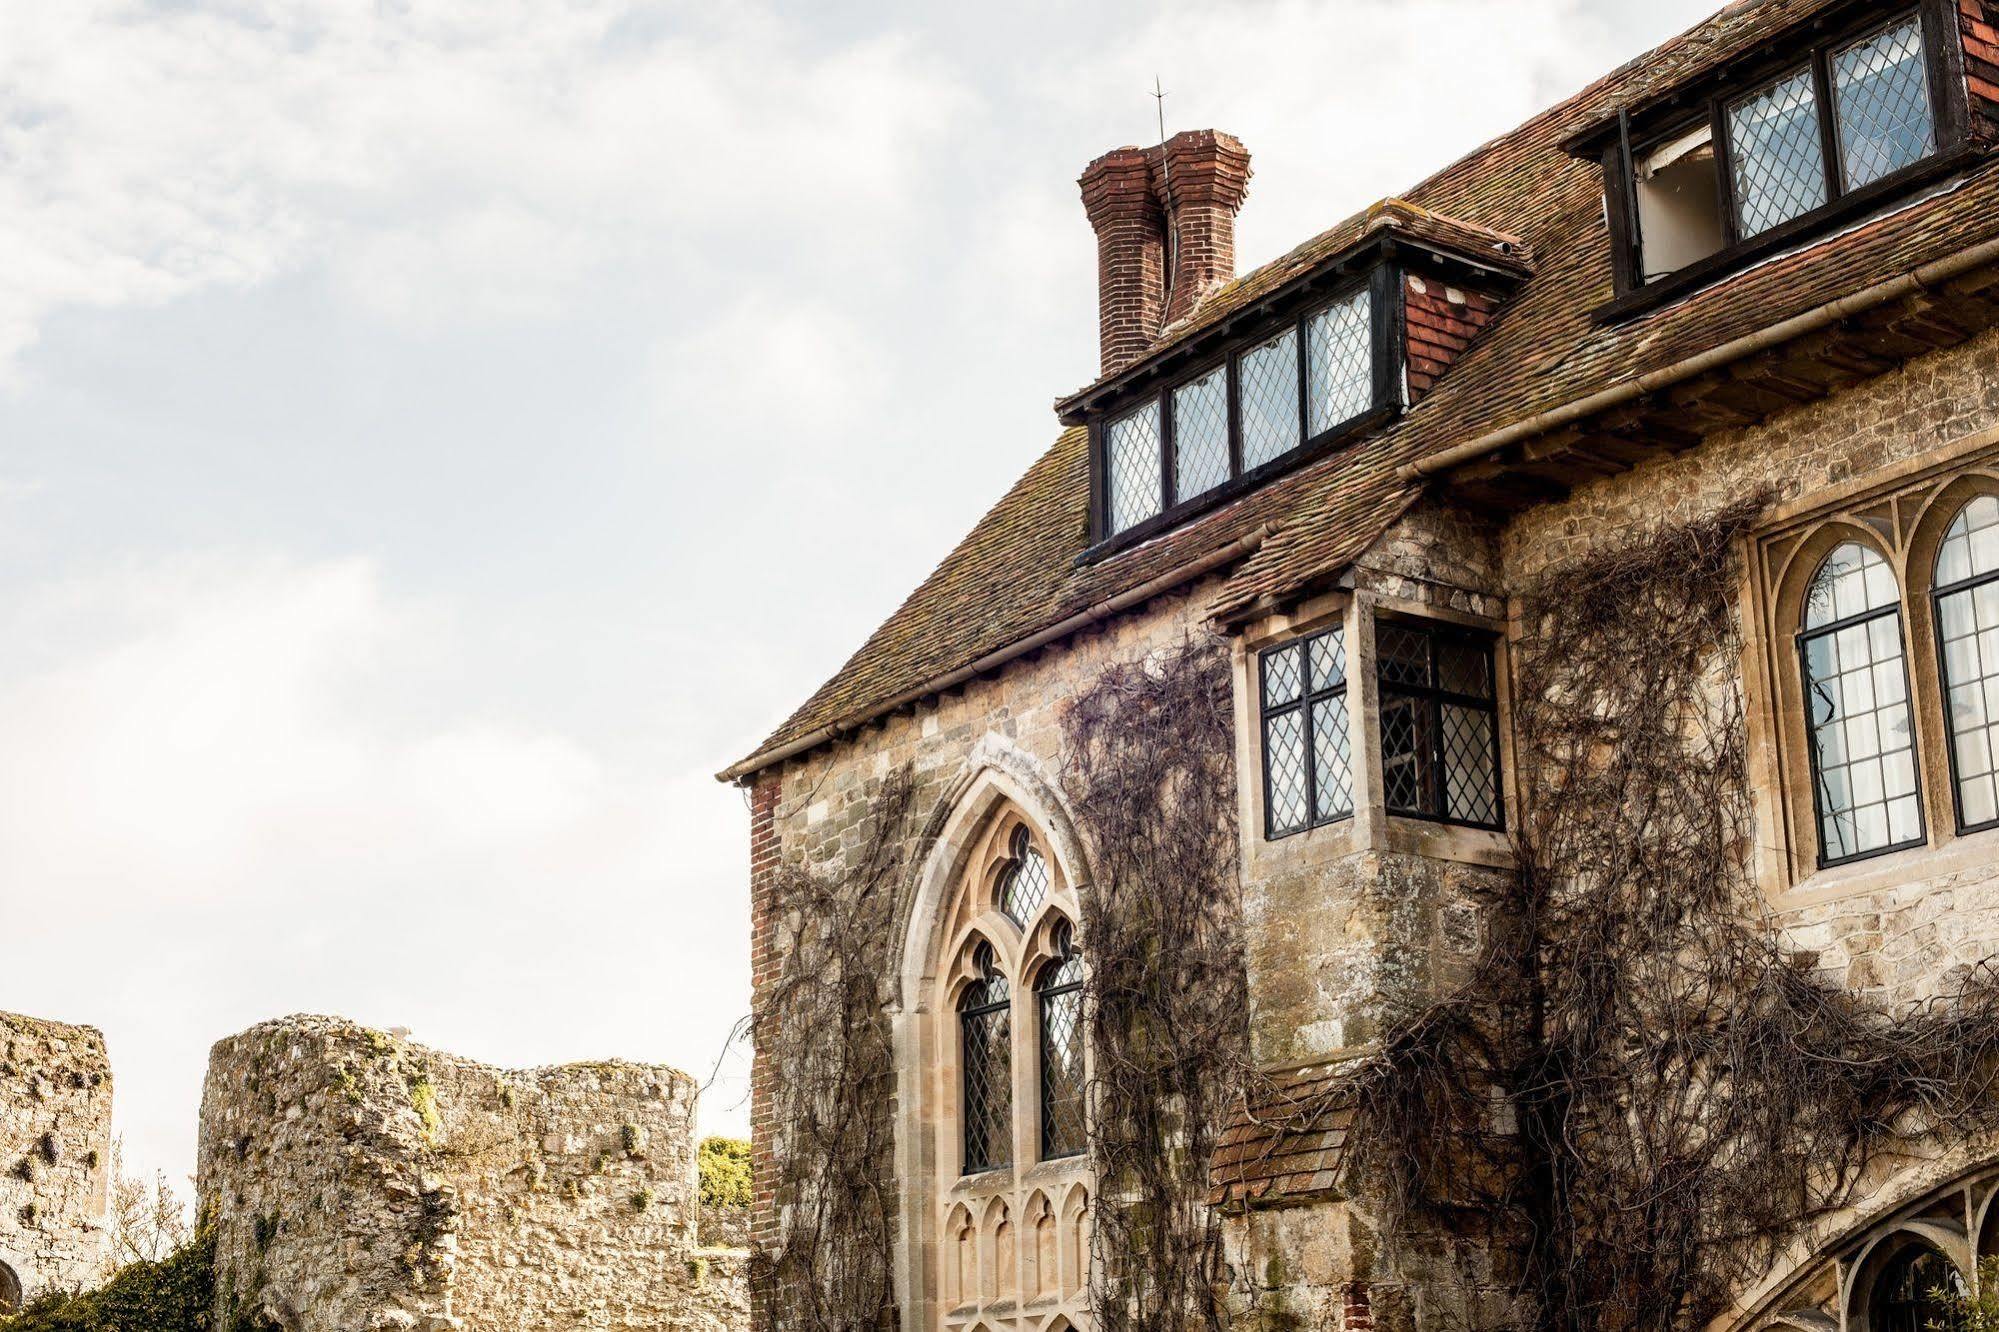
[(55, 1155), (360, 1182)]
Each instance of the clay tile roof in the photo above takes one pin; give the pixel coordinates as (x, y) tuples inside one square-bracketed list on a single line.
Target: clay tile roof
[(1017, 576), (1289, 1142)]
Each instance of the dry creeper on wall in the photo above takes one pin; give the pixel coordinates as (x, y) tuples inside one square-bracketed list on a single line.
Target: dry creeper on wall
[(825, 1018), (1638, 971), (1151, 777)]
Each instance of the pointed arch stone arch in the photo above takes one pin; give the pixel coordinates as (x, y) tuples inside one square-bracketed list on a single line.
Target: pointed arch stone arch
[(998, 782)]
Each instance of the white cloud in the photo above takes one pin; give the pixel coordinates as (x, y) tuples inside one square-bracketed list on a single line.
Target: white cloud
[(208, 786), (442, 157)]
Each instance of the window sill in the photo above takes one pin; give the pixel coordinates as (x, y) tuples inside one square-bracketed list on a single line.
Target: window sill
[(1912, 868), (1450, 841), (1799, 231)]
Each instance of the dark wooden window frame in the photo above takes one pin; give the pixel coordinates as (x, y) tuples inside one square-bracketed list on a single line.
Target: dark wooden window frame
[(1044, 996), (1486, 642), (1304, 705), (1813, 48), (1806, 637), (1937, 595), (1387, 319)]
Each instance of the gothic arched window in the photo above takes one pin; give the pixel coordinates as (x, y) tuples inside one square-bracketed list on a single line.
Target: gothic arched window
[(1966, 588), (986, 1027), (1060, 995), (1912, 1292), (1856, 686), (1024, 884)]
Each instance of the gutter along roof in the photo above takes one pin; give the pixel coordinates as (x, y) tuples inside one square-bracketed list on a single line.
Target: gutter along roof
[(1522, 205)]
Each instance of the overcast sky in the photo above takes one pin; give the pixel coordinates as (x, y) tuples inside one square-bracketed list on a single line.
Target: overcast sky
[(437, 435)]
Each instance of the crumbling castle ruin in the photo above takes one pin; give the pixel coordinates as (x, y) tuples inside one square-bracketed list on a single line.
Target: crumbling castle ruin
[(358, 1182), (55, 1156), (352, 1181)]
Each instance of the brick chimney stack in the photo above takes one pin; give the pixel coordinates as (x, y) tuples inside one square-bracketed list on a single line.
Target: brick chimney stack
[(1205, 176), (1194, 183)]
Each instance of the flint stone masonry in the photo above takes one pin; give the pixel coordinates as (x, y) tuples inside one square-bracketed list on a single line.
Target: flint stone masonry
[(361, 1183), (55, 1155)]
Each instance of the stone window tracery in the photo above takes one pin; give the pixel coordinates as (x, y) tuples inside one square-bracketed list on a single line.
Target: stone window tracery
[(1010, 1198), (1881, 662), (1908, 1295)]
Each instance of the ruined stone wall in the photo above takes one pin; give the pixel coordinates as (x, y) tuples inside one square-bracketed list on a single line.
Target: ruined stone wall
[(360, 1182), (55, 1154)]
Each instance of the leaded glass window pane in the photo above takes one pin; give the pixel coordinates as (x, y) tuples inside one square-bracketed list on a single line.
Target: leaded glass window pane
[(1062, 1078), (1132, 454), (1857, 706), (1332, 758), (1881, 87), (1439, 723), (1307, 744), (1339, 362), (1267, 390), (1284, 768), (1023, 884), (1967, 602), (1777, 154), (985, 1017), (1201, 435)]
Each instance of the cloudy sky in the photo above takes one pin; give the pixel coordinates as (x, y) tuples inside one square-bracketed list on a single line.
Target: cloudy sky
[(436, 435)]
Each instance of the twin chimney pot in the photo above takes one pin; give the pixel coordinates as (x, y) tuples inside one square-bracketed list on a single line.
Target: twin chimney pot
[(1165, 224)]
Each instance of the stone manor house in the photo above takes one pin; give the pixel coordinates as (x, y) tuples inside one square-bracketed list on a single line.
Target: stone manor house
[(1568, 593)]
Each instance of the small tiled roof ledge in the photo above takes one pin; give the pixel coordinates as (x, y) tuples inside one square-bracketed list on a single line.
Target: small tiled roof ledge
[(1178, 576), (1911, 283)]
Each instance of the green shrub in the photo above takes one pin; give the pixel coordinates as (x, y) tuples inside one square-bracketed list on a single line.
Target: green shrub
[(725, 1172), (175, 1294)]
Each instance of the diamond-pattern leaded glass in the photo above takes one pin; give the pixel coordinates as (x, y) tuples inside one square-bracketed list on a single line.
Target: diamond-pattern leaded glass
[(1471, 774), (1332, 758), (1439, 723), (1062, 1085), (1405, 755), (1339, 363), (1778, 156), (1967, 583), (1857, 702), (985, 1018), (1284, 770), (1307, 748), (1201, 435), (1023, 886), (1132, 452), (1283, 677), (1881, 87), (1267, 393)]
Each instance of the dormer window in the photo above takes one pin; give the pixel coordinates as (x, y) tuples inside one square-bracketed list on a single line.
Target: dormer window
[(1286, 394), (1780, 146)]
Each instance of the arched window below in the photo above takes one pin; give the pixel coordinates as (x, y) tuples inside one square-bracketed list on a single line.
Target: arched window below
[(1060, 993), (10, 1290), (1913, 1290), (985, 1021), (1864, 780), (1966, 590)]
